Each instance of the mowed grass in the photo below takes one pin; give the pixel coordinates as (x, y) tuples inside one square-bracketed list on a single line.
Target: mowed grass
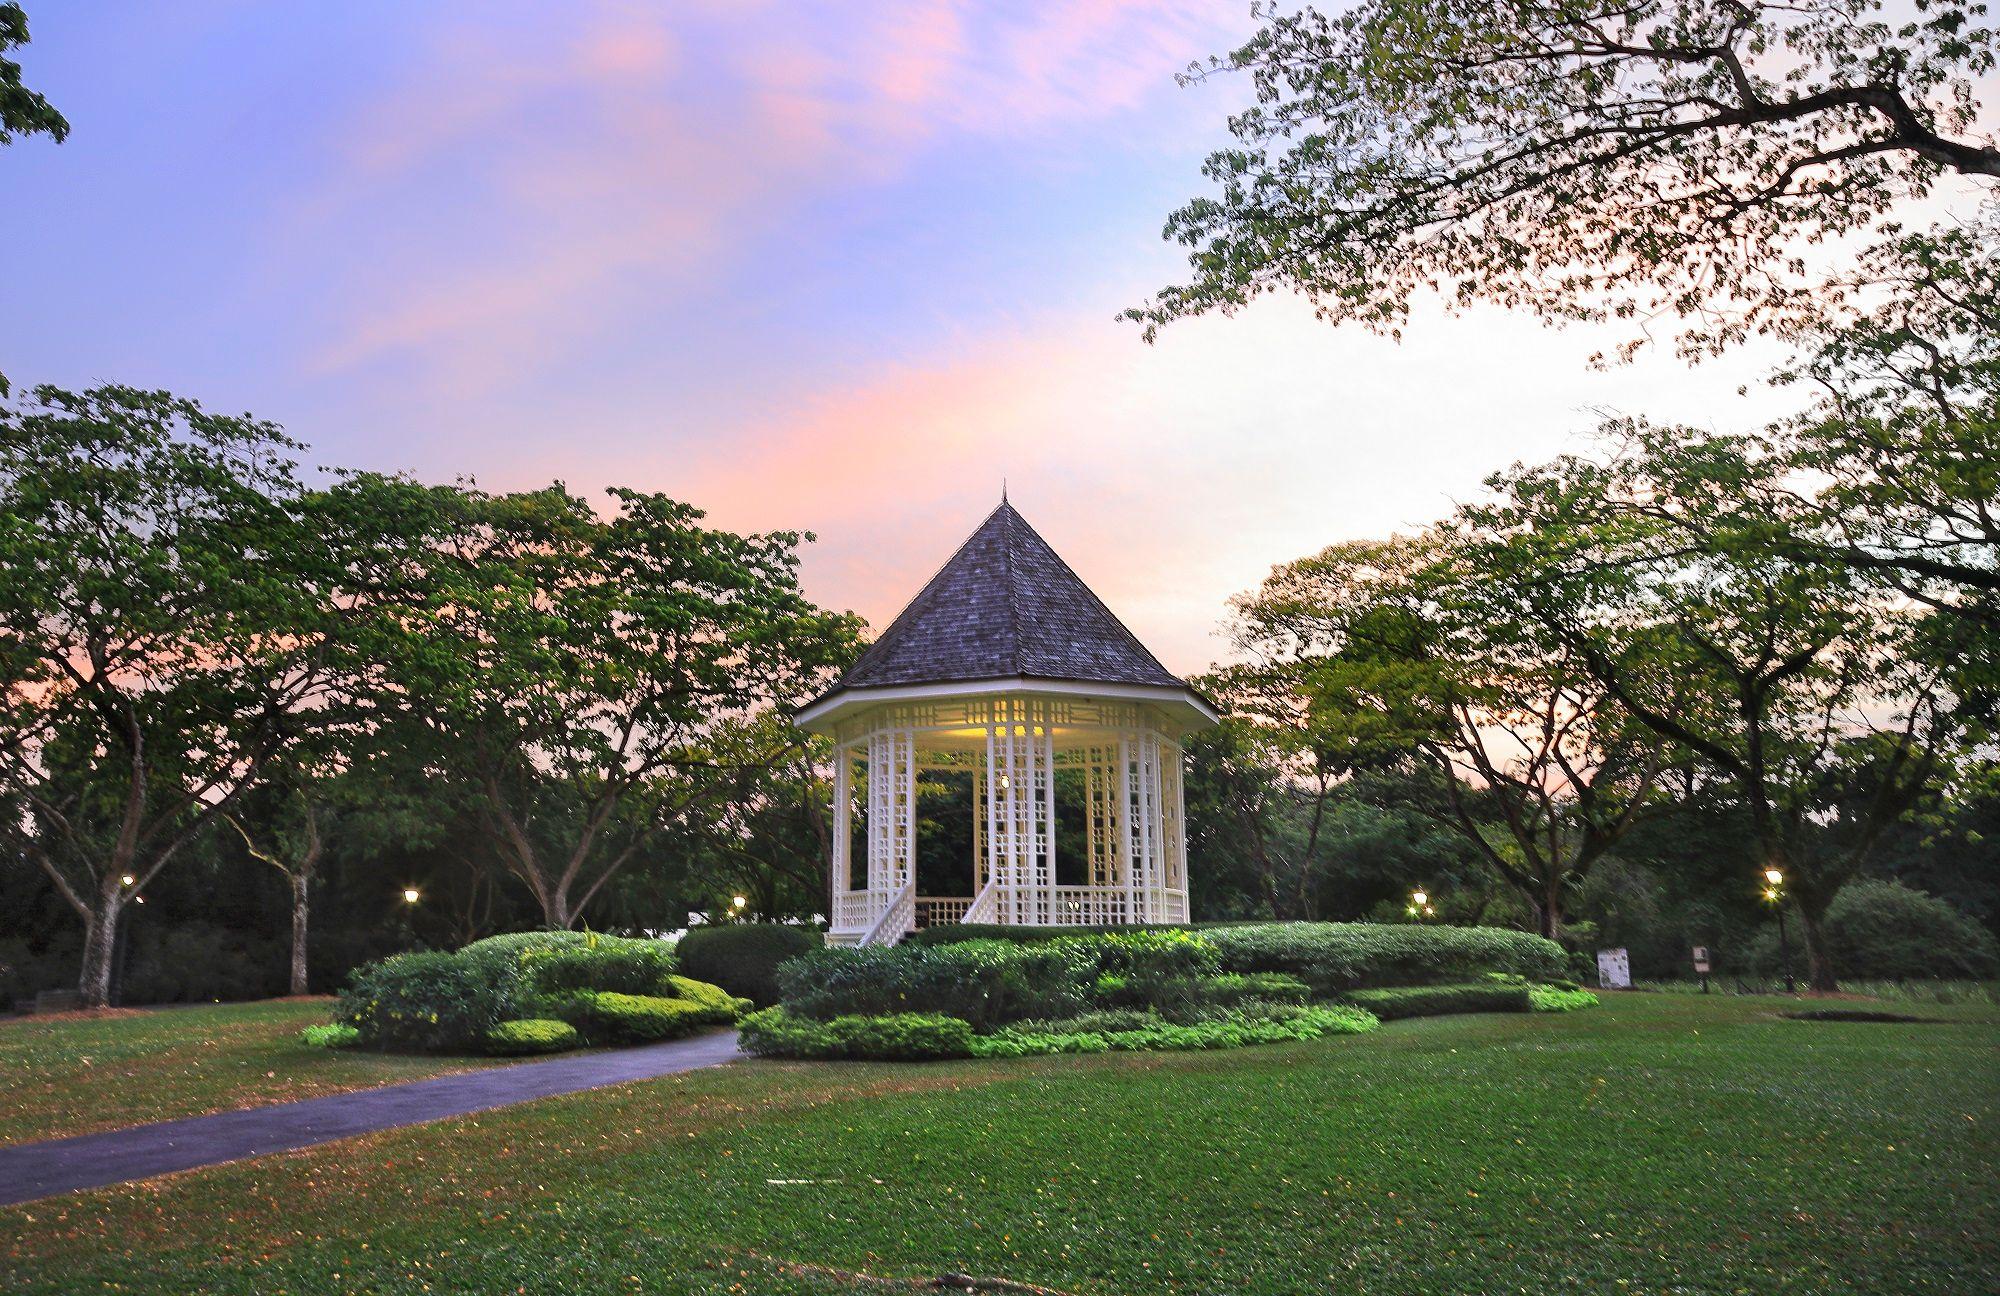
[(76, 1075), (1659, 1144)]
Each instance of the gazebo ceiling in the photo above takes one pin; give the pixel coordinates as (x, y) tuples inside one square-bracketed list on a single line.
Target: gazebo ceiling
[(1006, 613)]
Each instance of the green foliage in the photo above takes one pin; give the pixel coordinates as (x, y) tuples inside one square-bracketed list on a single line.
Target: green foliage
[(1891, 932), (1549, 999), (427, 1000), (986, 983), (639, 1019), (1334, 957), (333, 1035), (1394, 1002), (743, 958), (531, 1035), (906, 1037), (1581, 162), (627, 966), (611, 989), (1233, 1031), (724, 1006), (22, 111)]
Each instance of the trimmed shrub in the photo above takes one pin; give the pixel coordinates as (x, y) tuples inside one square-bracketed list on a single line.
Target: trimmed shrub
[(905, 1037), (636, 1019), (1438, 1000), (1336, 957), (986, 983), (743, 958), (1235, 1031), (531, 1035), (722, 1006), (334, 1035), (638, 967), (425, 1000)]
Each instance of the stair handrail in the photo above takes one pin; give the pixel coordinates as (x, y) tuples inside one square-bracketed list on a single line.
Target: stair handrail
[(896, 920)]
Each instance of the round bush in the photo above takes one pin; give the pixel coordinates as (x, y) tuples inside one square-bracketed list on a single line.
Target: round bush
[(1887, 931), (531, 1035), (743, 958)]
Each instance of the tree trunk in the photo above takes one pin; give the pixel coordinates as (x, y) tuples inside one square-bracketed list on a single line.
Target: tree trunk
[(1820, 976), (1549, 910), (301, 882), (100, 939)]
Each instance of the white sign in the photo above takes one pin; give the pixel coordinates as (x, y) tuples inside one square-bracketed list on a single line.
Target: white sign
[(1614, 970), (1701, 959)]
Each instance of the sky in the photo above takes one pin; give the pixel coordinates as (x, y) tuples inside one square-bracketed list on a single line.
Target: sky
[(842, 268)]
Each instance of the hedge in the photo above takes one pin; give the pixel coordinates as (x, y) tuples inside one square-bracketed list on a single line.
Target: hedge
[(531, 1035), (776, 1032), (1336, 957), (743, 958), (1394, 1003)]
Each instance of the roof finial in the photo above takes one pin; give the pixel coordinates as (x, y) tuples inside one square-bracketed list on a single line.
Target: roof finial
[(1003, 490)]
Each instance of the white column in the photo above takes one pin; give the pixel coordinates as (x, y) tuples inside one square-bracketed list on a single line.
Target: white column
[(891, 813), (841, 869), (1144, 835)]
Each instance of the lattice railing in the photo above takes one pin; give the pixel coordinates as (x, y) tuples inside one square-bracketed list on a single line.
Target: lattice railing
[(933, 910), (1092, 906)]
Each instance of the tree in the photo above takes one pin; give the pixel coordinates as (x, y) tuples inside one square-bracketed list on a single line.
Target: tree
[(768, 836), (149, 602), (22, 111), (1819, 697), (1902, 446), (1410, 650), (576, 672), (1580, 159)]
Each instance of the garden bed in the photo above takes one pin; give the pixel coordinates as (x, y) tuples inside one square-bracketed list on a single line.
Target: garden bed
[(964, 995)]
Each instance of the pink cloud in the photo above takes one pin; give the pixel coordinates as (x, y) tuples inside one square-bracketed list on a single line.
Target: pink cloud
[(636, 150)]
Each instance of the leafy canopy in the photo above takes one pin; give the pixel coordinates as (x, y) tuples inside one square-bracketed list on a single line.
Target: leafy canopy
[(1577, 158)]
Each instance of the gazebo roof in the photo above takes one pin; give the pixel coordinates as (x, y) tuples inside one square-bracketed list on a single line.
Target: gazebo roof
[(1006, 607)]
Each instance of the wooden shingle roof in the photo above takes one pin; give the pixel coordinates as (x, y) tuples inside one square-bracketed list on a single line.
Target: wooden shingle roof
[(1006, 607)]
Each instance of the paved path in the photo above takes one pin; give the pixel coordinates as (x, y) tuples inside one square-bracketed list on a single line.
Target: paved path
[(32, 1170)]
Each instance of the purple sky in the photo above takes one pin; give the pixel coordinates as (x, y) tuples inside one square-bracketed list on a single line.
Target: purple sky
[(837, 267)]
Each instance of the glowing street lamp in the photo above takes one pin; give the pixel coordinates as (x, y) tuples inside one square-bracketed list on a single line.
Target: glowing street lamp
[(736, 904), (1774, 895), (1420, 905), (126, 879), (411, 895)]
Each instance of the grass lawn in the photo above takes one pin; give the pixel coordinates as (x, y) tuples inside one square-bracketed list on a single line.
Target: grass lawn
[(1659, 1144), (73, 1075)]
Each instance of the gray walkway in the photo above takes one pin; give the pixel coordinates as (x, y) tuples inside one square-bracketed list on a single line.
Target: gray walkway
[(32, 1170)]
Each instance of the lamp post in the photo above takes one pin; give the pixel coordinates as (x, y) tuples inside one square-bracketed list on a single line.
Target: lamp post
[(1774, 893), (1420, 906), (736, 904)]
